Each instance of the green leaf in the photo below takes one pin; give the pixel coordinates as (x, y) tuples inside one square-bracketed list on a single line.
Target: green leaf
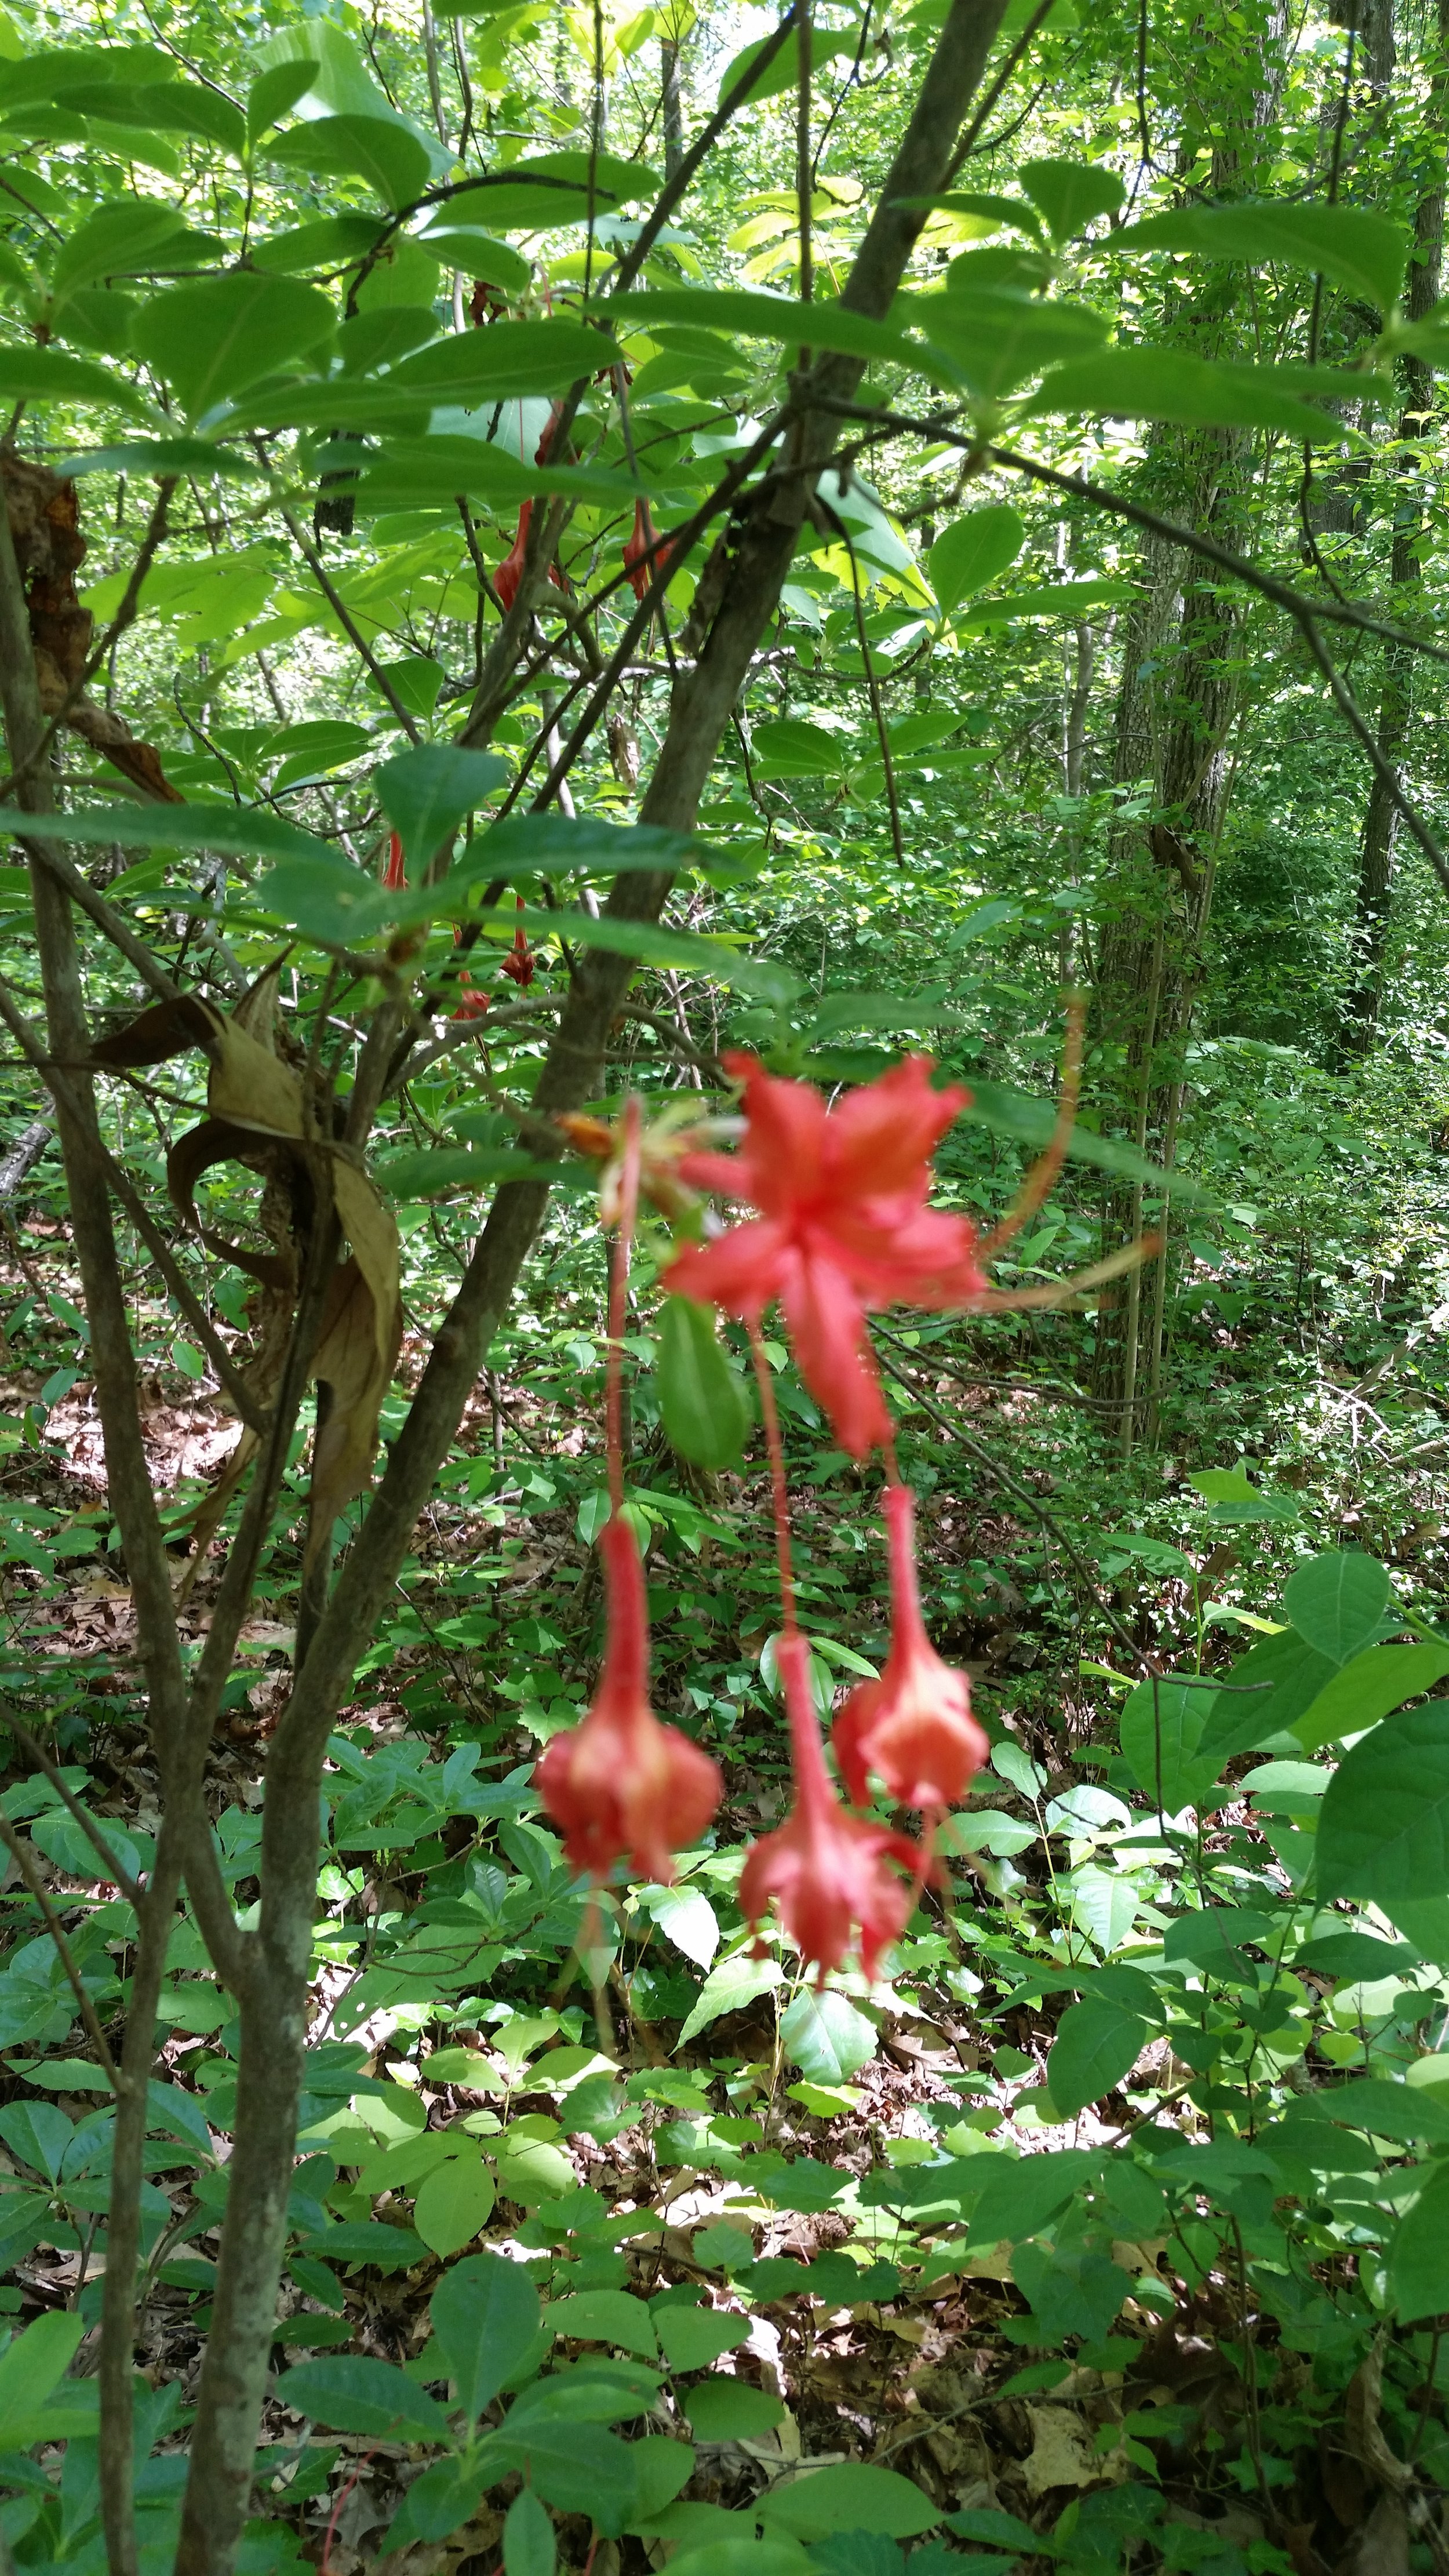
[(737, 1981), (1356, 1955), (460, 241), (826, 2037), (1031, 1123), (1419, 2254), (426, 792), (752, 313), (356, 2394), (217, 335), (686, 1917), (453, 2203), (604, 2316), (1022, 2196), (1235, 1499), (31, 2366), (1199, 393), (31, 374), (428, 1173), (1401, 2112), (693, 2338), (1271, 1686), (333, 241), (486, 2316), (1337, 1602), (1362, 251), (739, 2553), (1161, 1731), (704, 1402), (157, 456), (992, 338), (1384, 1831), (1097, 2042), (126, 238), (436, 2503), (1070, 193), (529, 2546), (240, 831), (273, 92), (695, 952), (849, 2496), (394, 164), (794, 747), (721, 2409), (411, 471), (782, 72), (1367, 1688), (578, 2467), (533, 2170), (973, 551)]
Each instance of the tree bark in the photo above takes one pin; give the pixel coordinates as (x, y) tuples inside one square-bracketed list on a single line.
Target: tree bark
[(1373, 901)]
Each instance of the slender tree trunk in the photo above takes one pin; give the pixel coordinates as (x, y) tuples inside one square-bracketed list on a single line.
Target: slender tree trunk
[(1178, 701), (673, 107), (1373, 905)]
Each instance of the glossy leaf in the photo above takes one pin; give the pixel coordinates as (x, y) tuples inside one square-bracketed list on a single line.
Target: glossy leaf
[(1097, 2043), (1367, 1687), (1070, 193), (453, 2204), (1161, 1732), (427, 792), (353, 2393), (529, 2546), (850, 2495), (1337, 1602), (705, 1403), (1197, 393), (215, 337), (826, 2037), (1358, 250), (485, 2315), (1384, 1830), (1419, 2254), (974, 550), (392, 161)]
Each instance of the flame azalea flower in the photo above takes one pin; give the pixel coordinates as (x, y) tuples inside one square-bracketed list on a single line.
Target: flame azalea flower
[(510, 571), (471, 1004), (520, 961), (394, 874), (620, 1785), (843, 1226), (638, 562), (913, 1728), (827, 1870)]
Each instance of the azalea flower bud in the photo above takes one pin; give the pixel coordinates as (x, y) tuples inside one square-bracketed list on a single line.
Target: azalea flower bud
[(827, 1870), (621, 1786), (394, 875), (843, 1227), (913, 1729)]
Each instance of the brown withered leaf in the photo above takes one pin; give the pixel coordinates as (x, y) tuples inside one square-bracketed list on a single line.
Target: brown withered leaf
[(258, 1117)]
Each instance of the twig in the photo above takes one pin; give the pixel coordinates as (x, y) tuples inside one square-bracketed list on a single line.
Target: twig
[(23, 1862), (114, 1867)]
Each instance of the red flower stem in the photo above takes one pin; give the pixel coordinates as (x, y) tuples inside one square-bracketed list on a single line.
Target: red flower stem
[(338, 2502), (619, 1307), (779, 1487)]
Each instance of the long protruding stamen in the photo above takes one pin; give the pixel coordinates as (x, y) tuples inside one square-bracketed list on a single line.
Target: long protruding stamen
[(619, 1306), (779, 1487)]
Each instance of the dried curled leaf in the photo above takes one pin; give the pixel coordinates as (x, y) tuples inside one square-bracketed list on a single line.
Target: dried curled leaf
[(258, 1117)]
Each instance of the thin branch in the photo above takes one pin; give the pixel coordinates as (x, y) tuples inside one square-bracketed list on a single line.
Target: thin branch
[(114, 1868), (19, 1852)]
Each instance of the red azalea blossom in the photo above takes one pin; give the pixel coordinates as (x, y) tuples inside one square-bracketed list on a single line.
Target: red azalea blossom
[(394, 874), (645, 559), (620, 1785), (827, 1870), (520, 961), (913, 1728), (843, 1226), (510, 571), (471, 1004)]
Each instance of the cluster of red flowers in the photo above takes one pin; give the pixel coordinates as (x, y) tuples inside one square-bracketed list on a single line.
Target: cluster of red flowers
[(842, 1226)]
